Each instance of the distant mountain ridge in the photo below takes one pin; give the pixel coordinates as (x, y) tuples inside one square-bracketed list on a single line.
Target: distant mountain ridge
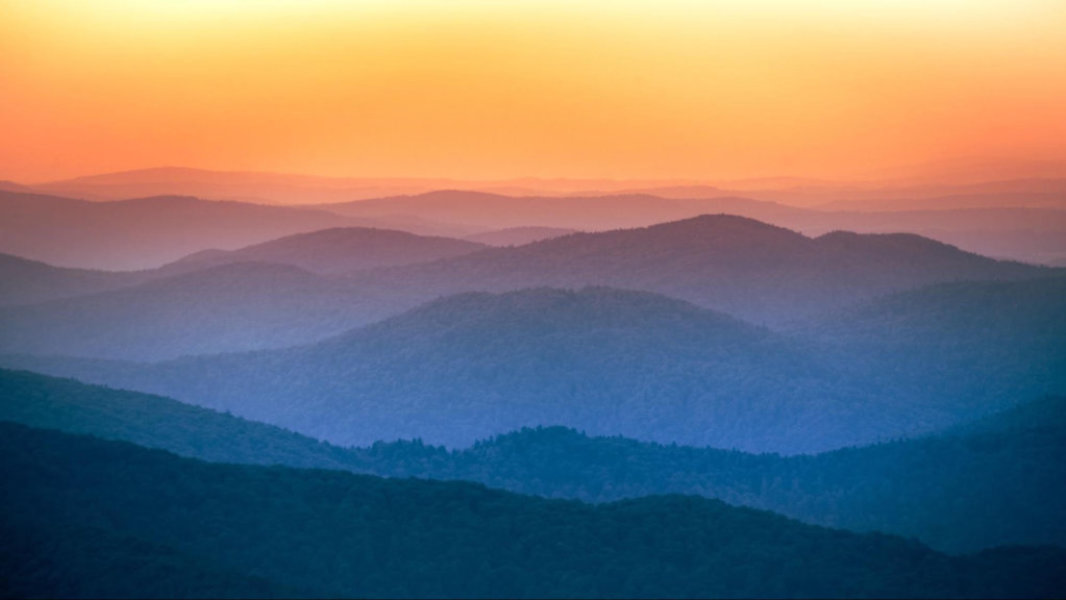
[(592, 213), (994, 224), (519, 236), (142, 233), (1017, 220), (24, 281), (628, 363), (337, 250), (752, 270), (326, 252), (762, 273), (225, 308), (147, 232)]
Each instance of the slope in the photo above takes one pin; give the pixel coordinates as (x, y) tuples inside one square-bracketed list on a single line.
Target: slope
[(608, 361), (996, 481), (765, 274), (157, 422), (147, 232), (231, 307), (336, 250), (749, 269), (338, 534), (518, 236), (24, 281)]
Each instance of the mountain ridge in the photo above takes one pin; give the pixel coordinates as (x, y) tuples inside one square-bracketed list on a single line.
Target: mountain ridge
[(994, 463), (626, 362), (322, 531)]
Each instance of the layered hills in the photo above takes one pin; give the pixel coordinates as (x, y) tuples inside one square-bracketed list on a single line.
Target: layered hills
[(337, 250), (230, 307), (749, 269), (957, 490), (325, 533), (765, 274), (144, 233), (628, 363)]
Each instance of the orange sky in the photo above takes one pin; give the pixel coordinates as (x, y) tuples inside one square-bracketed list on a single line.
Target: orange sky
[(493, 89)]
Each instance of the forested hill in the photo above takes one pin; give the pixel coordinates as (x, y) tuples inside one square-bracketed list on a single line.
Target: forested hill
[(157, 422), (338, 534), (747, 268), (473, 365), (958, 492), (618, 362)]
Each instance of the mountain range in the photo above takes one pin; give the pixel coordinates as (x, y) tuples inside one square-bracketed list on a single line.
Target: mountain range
[(752, 270), (1022, 226), (118, 234), (765, 274), (277, 531), (335, 251), (615, 362), (145, 233), (958, 490)]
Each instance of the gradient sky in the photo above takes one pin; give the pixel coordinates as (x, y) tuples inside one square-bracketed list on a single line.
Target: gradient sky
[(506, 88)]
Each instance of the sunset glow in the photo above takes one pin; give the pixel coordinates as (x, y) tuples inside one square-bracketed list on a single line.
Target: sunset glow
[(491, 90)]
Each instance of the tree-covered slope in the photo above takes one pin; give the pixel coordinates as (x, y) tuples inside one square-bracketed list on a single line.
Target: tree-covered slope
[(636, 364), (157, 422), (749, 269), (758, 272), (42, 558), (999, 480), (956, 493), (224, 308), (24, 281), (338, 534), (475, 365)]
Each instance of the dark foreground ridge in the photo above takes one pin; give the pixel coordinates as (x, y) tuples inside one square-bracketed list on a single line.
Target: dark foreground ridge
[(337, 534)]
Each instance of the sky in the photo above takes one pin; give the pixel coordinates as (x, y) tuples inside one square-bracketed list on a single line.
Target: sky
[(495, 89)]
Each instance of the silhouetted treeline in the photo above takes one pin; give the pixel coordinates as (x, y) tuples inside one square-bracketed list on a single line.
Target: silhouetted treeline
[(997, 481), (337, 534)]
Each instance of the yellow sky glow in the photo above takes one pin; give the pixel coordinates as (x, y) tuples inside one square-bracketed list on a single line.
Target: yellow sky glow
[(503, 88)]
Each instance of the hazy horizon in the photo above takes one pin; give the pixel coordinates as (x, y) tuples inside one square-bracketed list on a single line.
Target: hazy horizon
[(953, 170)]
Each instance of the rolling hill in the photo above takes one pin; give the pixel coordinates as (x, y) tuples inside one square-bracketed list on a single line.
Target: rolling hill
[(328, 533), (337, 250), (328, 251), (959, 491), (24, 281), (156, 422), (1005, 220), (142, 233), (749, 269), (470, 366), (231, 307), (994, 340), (147, 232), (623, 363), (592, 213), (764, 274), (518, 236)]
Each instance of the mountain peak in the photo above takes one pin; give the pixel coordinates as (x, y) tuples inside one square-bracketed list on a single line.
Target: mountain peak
[(451, 195), (725, 222), (340, 250), (548, 311)]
